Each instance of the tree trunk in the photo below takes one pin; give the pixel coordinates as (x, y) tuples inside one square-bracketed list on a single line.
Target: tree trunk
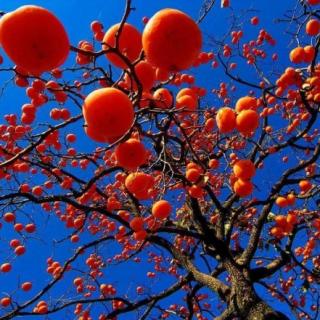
[(244, 303)]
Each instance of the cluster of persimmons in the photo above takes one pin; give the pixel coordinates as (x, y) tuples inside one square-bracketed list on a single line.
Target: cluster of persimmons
[(37, 43)]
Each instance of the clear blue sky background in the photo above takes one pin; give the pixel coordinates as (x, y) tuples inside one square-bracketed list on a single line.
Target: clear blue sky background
[(76, 15)]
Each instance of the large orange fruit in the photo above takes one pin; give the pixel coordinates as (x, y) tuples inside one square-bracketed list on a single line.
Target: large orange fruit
[(309, 53), (187, 92), (171, 40), (161, 209), (108, 113), (226, 120), (140, 184), (244, 169), (297, 55), (129, 44), (246, 103), (130, 154), (94, 134), (136, 224), (313, 27), (243, 188), (163, 98), (145, 73), (34, 39), (247, 121)]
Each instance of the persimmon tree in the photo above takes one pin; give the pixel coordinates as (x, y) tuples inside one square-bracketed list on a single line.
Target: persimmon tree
[(139, 194)]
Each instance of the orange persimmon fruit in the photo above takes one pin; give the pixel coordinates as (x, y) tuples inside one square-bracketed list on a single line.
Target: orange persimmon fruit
[(171, 40), (129, 44), (145, 73), (226, 120), (108, 113), (140, 184), (161, 209), (245, 103), (247, 121), (34, 39), (163, 98), (243, 188), (313, 27), (297, 55), (136, 224), (244, 169), (130, 154)]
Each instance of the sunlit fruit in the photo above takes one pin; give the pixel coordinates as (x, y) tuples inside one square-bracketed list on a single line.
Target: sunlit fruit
[(282, 202), (246, 103), (144, 74), (171, 40), (34, 39), (26, 286), (226, 120), (163, 98), (297, 55), (243, 188), (140, 184), (5, 302), (313, 27), (247, 121), (108, 113), (161, 209), (136, 224), (244, 169), (130, 154), (129, 44)]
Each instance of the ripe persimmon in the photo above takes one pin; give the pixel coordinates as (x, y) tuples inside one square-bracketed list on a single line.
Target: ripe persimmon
[(163, 98), (140, 235), (246, 103), (108, 113), (297, 55), (5, 267), (161, 209), (291, 198), (9, 217), (305, 185), (247, 121), (313, 27), (145, 73), (281, 202), (292, 218), (244, 169), (187, 103), (162, 74), (92, 134), (140, 184), (213, 163), (130, 154), (20, 250), (187, 92), (193, 174), (226, 120), (26, 286), (5, 302), (243, 188), (309, 53), (34, 39), (129, 41), (277, 232), (196, 191), (171, 40), (136, 224)]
